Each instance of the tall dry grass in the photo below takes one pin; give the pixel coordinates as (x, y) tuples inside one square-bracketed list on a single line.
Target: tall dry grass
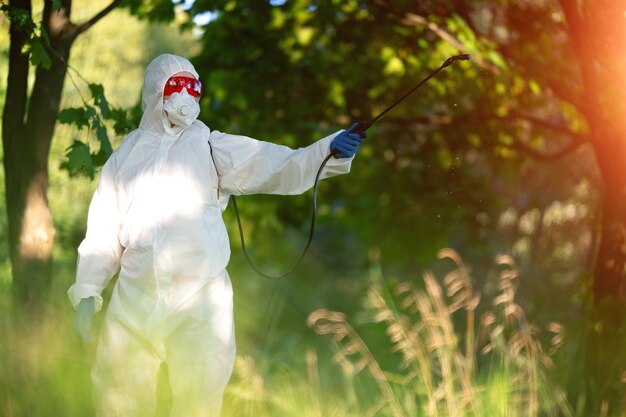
[(451, 363)]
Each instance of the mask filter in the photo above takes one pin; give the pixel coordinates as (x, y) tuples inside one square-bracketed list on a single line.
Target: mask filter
[(181, 110)]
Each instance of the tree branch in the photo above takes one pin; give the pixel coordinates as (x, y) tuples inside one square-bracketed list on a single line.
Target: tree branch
[(464, 12), (411, 19), (574, 22), (523, 147), (88, 24), (445, 120), (557, 127)]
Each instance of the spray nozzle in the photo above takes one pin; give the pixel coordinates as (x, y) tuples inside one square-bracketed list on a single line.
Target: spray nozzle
[(462, 57)]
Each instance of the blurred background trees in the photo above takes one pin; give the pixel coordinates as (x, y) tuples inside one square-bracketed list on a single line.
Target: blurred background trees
[(519, 151)]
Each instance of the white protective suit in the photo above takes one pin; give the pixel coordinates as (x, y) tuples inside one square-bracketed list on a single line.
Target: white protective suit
[(156, 216)]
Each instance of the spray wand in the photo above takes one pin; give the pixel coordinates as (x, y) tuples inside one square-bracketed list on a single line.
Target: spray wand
[(361, 127)]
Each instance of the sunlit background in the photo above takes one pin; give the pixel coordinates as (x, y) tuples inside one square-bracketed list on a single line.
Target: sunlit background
[(452, 270)]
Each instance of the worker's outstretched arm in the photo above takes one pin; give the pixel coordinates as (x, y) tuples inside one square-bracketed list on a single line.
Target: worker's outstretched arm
[(250, 166)]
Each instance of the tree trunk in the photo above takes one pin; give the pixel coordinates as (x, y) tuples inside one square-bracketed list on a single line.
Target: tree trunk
[(605, 361), (604, 76), (609, 144), (598, 35), (27, 136), (604, 358), (609, 285)]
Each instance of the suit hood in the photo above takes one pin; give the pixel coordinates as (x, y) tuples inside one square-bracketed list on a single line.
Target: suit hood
[(157, 73)]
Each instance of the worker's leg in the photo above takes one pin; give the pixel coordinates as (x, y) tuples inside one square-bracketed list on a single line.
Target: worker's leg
[(125, 371), (201, 351)]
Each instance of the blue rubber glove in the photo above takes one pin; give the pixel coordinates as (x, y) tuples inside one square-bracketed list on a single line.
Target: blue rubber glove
[(84, 318), (347, 142)]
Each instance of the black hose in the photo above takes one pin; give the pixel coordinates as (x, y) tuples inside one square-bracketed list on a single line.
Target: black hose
[(311, 230)]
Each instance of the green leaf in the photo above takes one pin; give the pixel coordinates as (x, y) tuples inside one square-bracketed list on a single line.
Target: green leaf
[(74, 115), (121, 124), (20, 17), (100, 158), (79, 161), (103, 137), (97, 92), (39, 55), (92, 116), (56, 5), (44, 36)]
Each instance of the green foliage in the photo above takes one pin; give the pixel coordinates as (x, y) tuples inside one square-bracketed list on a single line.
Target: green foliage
[(81, 160), (76, 116), (37, 38), (20, 17), (97, 92), (153, 10), (38, 53), (449, 155)]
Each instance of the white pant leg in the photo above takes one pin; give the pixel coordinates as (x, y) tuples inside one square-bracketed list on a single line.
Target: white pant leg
[(200, 351), (125, 372)]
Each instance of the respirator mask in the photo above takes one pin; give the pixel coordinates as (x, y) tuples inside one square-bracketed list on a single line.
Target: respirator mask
[(181, 110)]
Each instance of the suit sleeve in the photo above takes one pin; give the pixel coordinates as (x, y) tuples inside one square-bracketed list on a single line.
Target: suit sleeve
[(250, 166), (99, 253)]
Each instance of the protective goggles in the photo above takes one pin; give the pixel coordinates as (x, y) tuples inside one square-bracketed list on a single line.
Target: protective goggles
[(176, 85)]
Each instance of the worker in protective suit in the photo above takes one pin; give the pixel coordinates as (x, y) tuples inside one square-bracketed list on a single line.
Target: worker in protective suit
[(156, 217)]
